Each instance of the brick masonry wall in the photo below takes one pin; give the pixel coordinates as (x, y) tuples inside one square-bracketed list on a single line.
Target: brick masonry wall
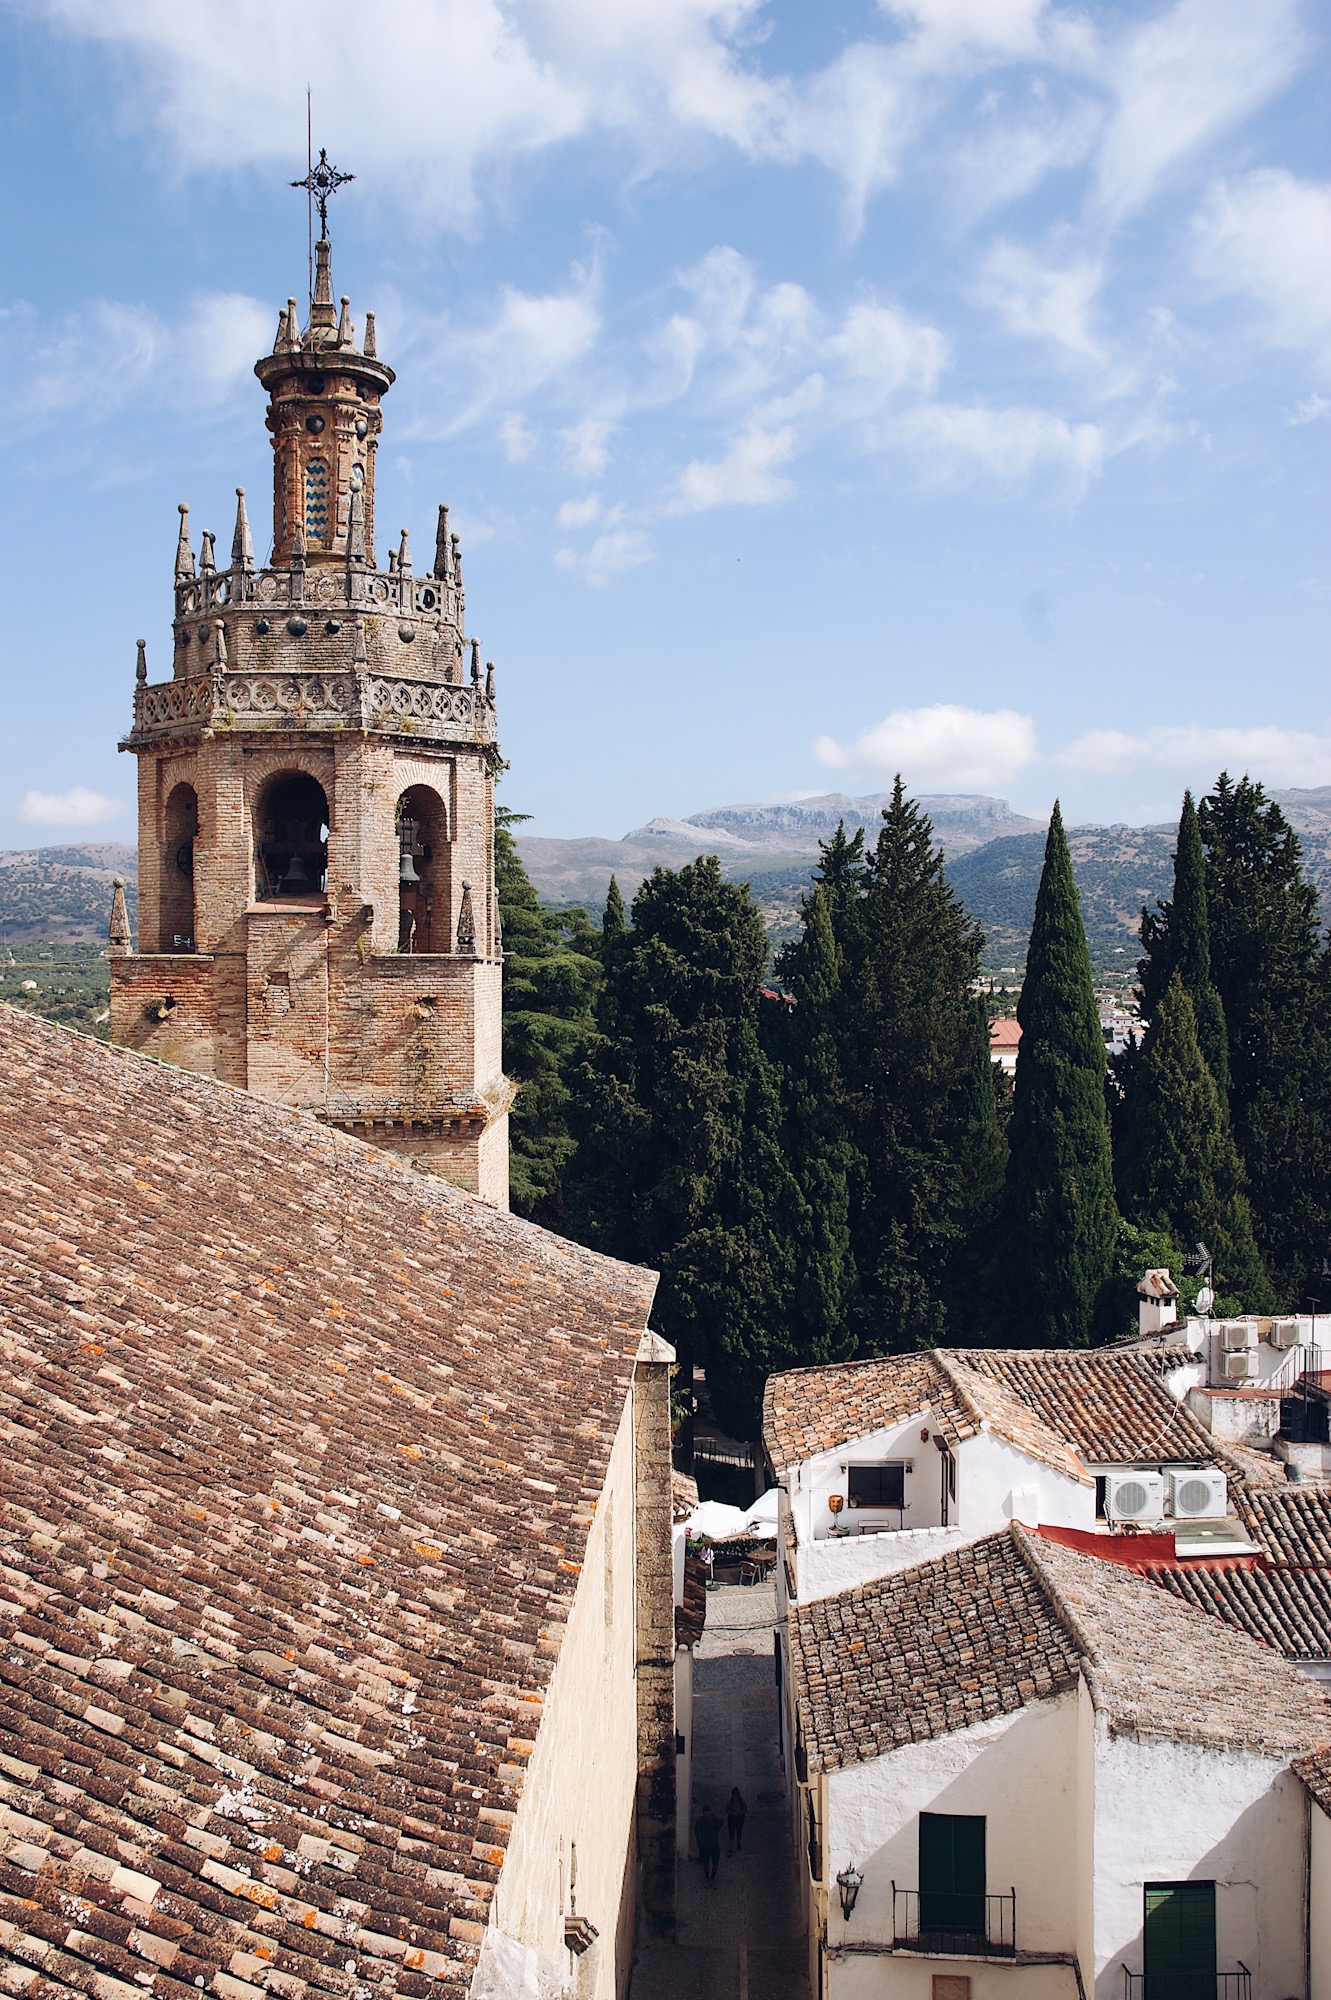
[(655, 1637)]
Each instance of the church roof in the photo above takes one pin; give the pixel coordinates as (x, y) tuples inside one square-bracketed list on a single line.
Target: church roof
[(1010, 1620), (298, 1455)]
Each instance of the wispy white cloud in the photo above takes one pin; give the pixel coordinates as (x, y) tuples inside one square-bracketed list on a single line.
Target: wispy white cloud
[(529, 342), (1053, 302), (1181, 78), (612, 553), (958, 444), (1196, 752), (1267, 237), (587, 446), (1311, 409), (747, 476), (580, 513), (74, 808), (98, 358), (943, 747), (517, 438)]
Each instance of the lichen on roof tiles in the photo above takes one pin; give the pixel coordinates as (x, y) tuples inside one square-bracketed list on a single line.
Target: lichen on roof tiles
[(987, 1629), (294, 1485)]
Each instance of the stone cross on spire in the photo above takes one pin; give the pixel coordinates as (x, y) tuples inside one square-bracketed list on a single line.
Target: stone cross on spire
[(320, 183)]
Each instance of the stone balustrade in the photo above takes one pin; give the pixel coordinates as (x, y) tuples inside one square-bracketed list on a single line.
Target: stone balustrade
[(428, 711)]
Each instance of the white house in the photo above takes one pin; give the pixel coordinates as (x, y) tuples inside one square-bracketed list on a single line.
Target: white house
[(1315, 1772), (1021, 1771), (885, 1463)]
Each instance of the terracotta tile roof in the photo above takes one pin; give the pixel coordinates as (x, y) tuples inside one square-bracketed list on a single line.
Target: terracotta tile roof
[(1290, 1524), (1010, 1620), (299, 1450), (1067, 1409), (691, 1615), (924, 1652), (1289, 1609), (1285, 1600), (1315, 1772), (808, 1410), (1111, 1407)]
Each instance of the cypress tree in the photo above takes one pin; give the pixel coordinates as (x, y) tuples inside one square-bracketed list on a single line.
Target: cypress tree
[(1267, 967), (551, 973), (680, 1161), (1059, 1224), (1178, 940), (1183, 1174)]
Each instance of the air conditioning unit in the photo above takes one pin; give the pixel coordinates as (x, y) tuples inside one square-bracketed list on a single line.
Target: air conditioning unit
[(1198, 1496), (1240, 1367), (1236, 1334), (1134, 1496), (1284, 1333)]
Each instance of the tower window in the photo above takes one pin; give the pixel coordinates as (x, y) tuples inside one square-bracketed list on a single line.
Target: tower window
[(291, 838), (316, 500), (315, 423), (180, 831), (425, 904)]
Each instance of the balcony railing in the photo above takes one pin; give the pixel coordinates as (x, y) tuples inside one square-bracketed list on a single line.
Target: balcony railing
[(1188, 1985), (945, 1924)]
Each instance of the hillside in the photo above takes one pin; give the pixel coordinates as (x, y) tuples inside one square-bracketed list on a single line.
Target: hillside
[(62, 895)]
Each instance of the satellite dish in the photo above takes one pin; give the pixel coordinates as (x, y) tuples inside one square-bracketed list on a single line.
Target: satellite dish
[(1205, 1300)]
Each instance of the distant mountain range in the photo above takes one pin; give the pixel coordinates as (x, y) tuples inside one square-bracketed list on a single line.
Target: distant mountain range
[(62, 895)]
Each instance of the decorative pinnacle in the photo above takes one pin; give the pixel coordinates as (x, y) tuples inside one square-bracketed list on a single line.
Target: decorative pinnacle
[(441, 549), (207, 555), (184, 553), (346, 332), (242, 542), (475, 660), (117, 931), (356, 527), (219, 644), (369, 350), (404, 554), (141, 664), (489, 680), (321, 183)]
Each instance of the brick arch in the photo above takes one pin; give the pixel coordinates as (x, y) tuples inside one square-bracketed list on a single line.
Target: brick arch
[(290, 817), (425, 900)]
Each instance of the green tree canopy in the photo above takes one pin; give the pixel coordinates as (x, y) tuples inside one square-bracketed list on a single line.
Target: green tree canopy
[(1182, 1173), (1059, 1224), (551, 975)]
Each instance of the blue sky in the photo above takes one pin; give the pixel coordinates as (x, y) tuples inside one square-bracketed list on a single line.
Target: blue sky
[(941, 385)]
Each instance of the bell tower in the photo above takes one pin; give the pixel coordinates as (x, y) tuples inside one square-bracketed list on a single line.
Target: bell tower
[(317, 915)]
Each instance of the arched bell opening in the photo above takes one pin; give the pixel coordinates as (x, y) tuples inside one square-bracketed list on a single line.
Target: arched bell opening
[(425, 901), (180, 831), (290, 838)]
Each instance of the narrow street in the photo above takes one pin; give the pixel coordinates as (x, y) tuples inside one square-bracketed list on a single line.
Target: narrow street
[(739, 1938)]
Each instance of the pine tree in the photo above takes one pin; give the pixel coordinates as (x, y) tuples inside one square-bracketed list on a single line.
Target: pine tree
[(1183, 1174), (1059, 1224), (551, 973), (1269, 972)]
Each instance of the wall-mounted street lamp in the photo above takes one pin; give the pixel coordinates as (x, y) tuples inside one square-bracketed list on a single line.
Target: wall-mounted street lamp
[(848, 1882)]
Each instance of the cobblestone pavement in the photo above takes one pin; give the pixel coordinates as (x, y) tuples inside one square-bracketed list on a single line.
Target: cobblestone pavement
[(742, 1937)]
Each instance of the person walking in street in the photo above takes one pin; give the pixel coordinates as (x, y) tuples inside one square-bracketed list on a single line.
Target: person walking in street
[(708, 1831), (735, 1812)]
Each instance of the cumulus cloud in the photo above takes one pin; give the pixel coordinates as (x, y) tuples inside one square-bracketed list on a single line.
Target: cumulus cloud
[(944, 747), (1196, 752), (956, 444), (579, 513), (587, 446), (1046, 302), (517, 438), (747, 476), (529, 342), (609, 556), (1267, 237), (76, 807)]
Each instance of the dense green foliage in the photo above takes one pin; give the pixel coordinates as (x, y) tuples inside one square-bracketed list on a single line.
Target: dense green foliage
[(1181, 1171), (681, 1161), (551, 974), (1059, 1227), (888, 1037)]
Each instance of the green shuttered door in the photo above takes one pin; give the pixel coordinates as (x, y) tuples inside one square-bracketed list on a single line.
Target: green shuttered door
[(952, 1872), (1180, 1940)]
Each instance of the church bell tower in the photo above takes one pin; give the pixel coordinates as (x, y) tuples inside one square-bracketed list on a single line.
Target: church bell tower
[(317, 916)]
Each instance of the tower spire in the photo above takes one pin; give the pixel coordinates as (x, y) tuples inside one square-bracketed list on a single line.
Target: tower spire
[(441, 548), (242, 542), (184, 553)]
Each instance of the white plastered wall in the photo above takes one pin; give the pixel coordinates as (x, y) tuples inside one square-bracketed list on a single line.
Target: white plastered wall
[(994, 1481), (580, 1783), (1319, 1899), (1178, 1812), (1021, 1771)]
